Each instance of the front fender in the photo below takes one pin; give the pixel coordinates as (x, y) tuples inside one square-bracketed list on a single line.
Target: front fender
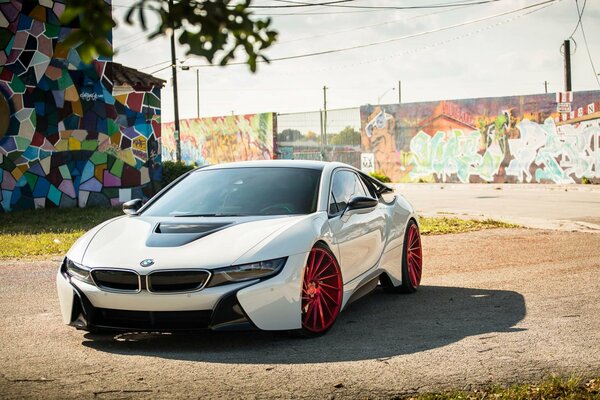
[(275, 304)]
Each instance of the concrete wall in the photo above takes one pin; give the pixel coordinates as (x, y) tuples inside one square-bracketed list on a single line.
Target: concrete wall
[(500, 139), (65, 140)]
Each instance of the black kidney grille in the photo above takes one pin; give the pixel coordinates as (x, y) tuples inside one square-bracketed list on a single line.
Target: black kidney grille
[(116, 280), (176, 281)]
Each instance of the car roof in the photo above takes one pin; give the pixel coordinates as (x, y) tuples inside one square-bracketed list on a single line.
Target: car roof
[(318, 165)]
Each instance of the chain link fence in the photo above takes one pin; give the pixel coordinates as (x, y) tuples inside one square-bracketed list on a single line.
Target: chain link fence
[(332, 136)]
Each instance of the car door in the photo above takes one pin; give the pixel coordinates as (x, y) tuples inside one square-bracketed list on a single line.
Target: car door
[(360, 237)]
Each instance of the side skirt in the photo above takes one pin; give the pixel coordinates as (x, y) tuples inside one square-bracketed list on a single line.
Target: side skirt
[(363, 290)]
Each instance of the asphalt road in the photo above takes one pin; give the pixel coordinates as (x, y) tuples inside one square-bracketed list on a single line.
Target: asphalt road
[(563, 207), (496, 306)]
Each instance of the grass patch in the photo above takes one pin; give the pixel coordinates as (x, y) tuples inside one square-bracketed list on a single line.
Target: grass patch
[(445, 225), (47, 232), (551, 388)]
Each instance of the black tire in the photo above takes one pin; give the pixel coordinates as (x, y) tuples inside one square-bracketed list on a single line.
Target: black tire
[(411, 273)]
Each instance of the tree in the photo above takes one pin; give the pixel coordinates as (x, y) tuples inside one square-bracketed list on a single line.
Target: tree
[(289, 135), (311, 136), (347, 136), (214, 30)]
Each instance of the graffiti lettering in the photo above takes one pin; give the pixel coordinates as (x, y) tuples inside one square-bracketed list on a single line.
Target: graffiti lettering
[(90, 96), (524, 140)]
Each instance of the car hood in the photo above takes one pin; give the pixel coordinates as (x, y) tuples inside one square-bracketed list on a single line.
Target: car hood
[(178, 242)]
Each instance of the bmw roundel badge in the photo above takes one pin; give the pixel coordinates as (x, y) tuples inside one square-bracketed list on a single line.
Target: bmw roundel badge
[(147, 262)]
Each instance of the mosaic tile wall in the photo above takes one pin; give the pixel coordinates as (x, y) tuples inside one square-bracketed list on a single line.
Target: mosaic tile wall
[(65, 139)]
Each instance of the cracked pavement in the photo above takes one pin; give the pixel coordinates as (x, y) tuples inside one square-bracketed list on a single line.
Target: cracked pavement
[(496, 306)]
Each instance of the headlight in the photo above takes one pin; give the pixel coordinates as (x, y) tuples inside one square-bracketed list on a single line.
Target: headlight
[(246, 272), (78, 271)]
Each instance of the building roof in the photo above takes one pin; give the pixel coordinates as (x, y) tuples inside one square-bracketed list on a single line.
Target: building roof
[(122, 75)]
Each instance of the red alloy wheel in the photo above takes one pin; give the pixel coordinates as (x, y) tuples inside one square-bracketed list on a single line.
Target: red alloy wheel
[(414, 256), (321, 291)]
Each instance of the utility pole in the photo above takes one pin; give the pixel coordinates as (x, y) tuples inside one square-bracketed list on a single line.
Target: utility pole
[(174, 72), (325, 115), (198, 92), (399, 92), (546, 86), (322, 148), (567, 50)]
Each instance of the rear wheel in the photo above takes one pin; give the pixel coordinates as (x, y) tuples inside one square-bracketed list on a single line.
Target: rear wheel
[(321, 291)]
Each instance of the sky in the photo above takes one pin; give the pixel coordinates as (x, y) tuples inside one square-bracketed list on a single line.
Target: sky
[(484, 50)]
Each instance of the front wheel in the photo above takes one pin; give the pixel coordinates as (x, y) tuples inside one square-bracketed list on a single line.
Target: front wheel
[(412, 261), (321, 291)]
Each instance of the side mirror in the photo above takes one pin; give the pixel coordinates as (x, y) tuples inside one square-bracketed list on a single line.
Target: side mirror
[(360, 205), (132, 206)]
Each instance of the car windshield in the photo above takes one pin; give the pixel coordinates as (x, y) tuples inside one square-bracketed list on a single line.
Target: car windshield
[(241, 192)]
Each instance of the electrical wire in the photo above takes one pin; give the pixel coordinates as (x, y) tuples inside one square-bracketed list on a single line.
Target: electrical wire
[(361, 9), (409, 36), (578, 16), (128, 46), (299, 4), (157, 64), (300, 14), (586, 43), (319, 35), (419, 7), (430, 46), (368, 26)]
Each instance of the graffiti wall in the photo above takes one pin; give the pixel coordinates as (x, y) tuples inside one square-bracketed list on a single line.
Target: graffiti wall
[(65, 139), (221, 139), (503, 139)]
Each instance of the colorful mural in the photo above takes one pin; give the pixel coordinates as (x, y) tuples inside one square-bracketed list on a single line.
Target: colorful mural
[(65, 139), (221, 139), (504, 139)]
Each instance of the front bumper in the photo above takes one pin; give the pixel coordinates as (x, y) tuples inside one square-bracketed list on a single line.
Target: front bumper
[(271, 304)]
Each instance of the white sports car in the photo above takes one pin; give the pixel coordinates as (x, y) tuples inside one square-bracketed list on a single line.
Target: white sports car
[(273, 245)]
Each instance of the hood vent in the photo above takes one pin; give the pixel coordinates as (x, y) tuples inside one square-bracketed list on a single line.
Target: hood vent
[(178, 227), (173, 234)]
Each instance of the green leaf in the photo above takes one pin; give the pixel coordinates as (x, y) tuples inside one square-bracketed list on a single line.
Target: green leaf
[(226, 27)]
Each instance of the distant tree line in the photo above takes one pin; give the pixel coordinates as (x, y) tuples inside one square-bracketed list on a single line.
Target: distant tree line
[(346, 137)]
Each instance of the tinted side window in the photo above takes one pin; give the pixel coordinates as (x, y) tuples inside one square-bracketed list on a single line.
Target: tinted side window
[(345, 185)]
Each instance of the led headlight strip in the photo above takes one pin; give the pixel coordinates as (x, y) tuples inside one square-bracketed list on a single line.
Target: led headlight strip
[(246, 272), (78, 271)]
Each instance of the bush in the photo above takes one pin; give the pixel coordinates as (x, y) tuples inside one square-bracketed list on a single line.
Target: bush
[(173, 170), (585, 180), (380, 176)]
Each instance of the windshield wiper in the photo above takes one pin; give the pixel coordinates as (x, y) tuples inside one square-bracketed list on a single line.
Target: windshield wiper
[(210, 215)]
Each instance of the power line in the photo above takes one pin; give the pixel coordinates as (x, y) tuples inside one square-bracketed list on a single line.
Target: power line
[(128, 46), (327, 3), (367, 26), (585, 41), (360, 9), (299, 4), (578, 17), (156, 65), (300, 14), (419, 7), (433, 45), (332, 51)]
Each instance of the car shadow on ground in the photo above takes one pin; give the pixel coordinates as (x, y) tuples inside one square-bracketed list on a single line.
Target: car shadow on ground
[(378, 326)]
